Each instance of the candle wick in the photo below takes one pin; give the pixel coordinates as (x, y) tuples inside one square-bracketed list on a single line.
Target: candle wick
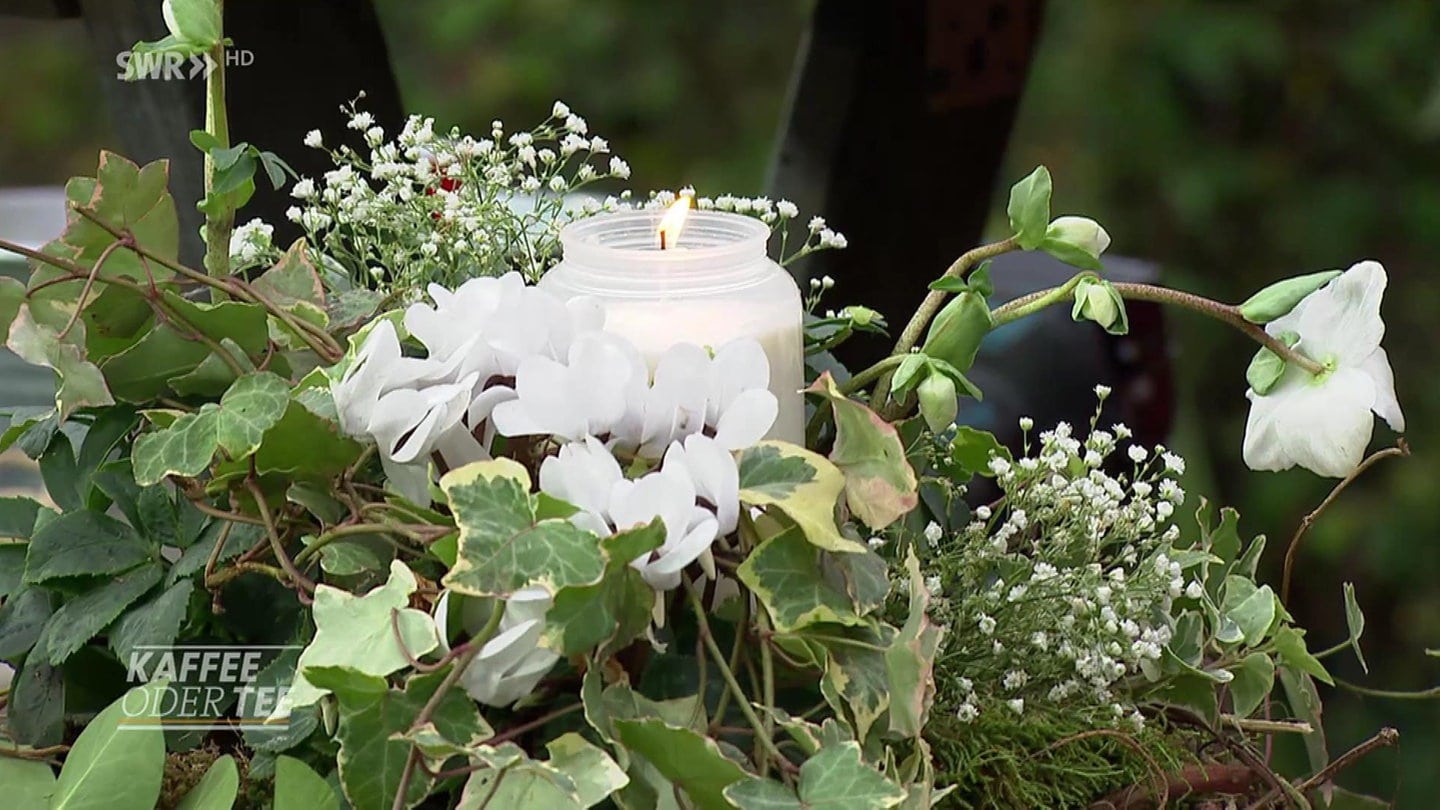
[(663, 246)]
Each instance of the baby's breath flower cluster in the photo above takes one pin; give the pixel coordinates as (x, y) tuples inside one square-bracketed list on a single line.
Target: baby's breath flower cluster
[(444, 207), (1059, 595), (779, 215), (251, 245)]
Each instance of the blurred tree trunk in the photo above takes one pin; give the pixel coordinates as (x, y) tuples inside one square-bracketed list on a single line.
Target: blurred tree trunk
[(899, 115)]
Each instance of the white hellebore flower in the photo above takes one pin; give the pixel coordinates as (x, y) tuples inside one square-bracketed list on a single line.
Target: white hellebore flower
[(512, 662), (1323, 423)]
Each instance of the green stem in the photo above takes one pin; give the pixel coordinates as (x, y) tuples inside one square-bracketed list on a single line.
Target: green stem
[(217, 226), (871, 374), (462, 662), (1225, 313), (341, 532), (1027, 305), (741, 701), (1423, 694), (767, 674), (930, 307)]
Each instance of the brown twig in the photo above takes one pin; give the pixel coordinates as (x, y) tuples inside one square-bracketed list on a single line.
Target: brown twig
[(1238, 748), (1384, 738), (48, 752), (296, 576), (85, 291), (1400, 449), (1193, 780)]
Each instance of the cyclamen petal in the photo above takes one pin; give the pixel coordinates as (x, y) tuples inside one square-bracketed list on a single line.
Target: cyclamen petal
[(747, 419)]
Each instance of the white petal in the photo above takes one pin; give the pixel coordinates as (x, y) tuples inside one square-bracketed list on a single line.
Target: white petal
[(582, 475), (1325, 427), (1343, 318), (410, 481), (1387, 405), (747, 419), (687, 550), (1263, 450)]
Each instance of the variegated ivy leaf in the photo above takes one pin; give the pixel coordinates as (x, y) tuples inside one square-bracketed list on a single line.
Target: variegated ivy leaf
[(252, 405), (356, 632), (594, 773), (801, 484), (785, 574), (504, 545), (688, 759), (910, 660), (880, 485)]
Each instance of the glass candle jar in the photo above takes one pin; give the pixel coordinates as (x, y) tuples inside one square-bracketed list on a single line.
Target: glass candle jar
[(713, 285)]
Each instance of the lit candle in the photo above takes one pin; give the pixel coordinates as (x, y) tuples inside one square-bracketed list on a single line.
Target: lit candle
[(668, 278)]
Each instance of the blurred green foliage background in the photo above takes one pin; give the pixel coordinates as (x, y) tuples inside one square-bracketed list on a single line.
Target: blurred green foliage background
[(1232, 142)]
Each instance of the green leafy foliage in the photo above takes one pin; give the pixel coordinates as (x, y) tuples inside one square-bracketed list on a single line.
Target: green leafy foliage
[(1029, 208), (504, 544), (880, 485), (801, 484), (253, 405), (217, 789), (359, 633), (118, 761), (834, 779)]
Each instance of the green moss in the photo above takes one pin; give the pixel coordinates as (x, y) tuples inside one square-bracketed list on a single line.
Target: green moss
[(1043, 760)]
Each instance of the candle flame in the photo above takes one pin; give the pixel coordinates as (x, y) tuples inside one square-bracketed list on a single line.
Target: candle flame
[(674, 222)]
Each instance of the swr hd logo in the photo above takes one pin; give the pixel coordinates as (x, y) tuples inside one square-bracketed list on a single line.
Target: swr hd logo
[(173, 66)]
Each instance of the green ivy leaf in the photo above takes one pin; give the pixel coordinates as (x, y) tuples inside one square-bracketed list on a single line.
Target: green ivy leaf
[(1290, 648), (374, 751), (252, 406), (856, 682), (142, 372), (880, 484), (278, 674), (81, 385), (83, 543), (356, 632), (292, 279), (1252, 608), (504, 546), (114, 767), (613, 612), (83, 617), (593, 772), (217, 789), (36, 710), (1029, 208), (514, 780), (690, 760), (299, 788), (1254, 678), (304, 445), (786, 576)]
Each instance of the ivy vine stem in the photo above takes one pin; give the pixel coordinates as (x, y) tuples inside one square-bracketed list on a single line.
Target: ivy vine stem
[(741, 701), (427, 712)]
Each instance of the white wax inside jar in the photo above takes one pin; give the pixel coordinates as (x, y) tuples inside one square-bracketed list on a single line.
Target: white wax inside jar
[(714, 285)]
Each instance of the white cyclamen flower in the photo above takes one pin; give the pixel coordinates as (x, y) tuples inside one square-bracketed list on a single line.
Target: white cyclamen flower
[(512, 662), (695, 492), (1323, 423)]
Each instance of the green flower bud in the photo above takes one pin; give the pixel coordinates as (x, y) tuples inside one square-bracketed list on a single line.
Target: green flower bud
[(860, 316), (1267, 367), (956, 333), (907, 373), (1279, 298), (1080, 232), (1096, 300), (939, 404)]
